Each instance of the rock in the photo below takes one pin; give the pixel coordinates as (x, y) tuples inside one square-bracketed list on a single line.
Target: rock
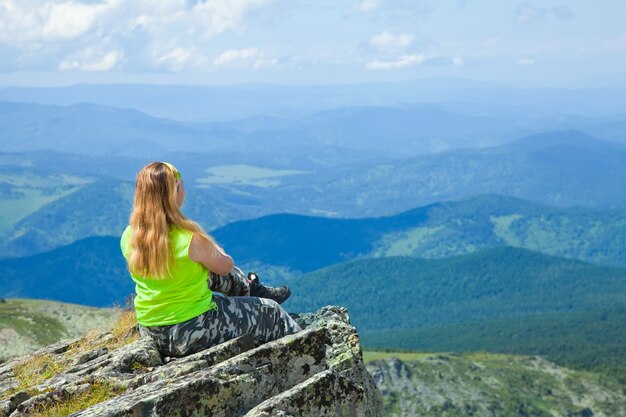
[(5, 408), (18, 398), (317, 372)]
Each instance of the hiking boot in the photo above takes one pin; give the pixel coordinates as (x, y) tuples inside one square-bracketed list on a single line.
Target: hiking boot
[(278, 294)]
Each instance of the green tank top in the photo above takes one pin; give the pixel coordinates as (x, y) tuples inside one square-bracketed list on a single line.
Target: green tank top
[(186, 294)]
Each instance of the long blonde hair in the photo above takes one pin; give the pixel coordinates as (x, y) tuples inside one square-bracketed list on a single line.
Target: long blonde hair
[(155, 212)]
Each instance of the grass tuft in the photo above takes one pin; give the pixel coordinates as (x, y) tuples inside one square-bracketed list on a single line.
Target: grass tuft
[(124, 331), (97, 393), (31, 372), (126, 325)]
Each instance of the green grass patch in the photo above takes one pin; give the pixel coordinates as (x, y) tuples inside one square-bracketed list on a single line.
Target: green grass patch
[(502, 228), (23, 317), (31, 200), (27, 325), (405, 243), (31, 372), (245, 175), (31, 180), (481, 383), (373, 355)]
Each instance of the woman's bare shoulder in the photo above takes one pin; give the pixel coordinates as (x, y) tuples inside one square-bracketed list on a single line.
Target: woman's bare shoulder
[(210, 255)]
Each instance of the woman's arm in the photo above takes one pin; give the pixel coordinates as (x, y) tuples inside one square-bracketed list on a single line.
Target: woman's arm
[(210, 255)]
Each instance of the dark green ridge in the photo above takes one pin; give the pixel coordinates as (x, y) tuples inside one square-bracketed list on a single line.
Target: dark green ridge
[(400, 292)]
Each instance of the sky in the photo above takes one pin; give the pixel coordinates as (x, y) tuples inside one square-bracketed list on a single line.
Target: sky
[(560, 43)]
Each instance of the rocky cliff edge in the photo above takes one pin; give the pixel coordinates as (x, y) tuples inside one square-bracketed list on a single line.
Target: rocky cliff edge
[(317, 372)]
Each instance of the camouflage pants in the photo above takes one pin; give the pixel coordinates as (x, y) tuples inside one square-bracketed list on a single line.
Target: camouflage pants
[(234, 316), (234, 284)]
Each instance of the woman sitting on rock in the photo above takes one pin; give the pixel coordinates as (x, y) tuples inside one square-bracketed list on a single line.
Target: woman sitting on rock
[(175, 266)]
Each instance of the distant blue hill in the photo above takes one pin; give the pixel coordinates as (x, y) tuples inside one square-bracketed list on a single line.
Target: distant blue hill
[(565, 168), (91, 272), (399, 130), (212, 103), (94, 130)]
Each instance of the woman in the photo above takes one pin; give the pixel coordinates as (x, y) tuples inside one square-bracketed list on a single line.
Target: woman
[(169, 258)]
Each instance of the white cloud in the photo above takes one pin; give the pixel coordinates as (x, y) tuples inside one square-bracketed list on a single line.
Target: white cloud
[(25, 22), (150, 34), (616, 43), (526, 61), (234, 55), (178, 59), (225, 14), (70, 20), (203, 20), (526, 13), (368, 5), (244, 58), (388, 43), (90, 63), (409, 60), (395, 8), (402, 62)]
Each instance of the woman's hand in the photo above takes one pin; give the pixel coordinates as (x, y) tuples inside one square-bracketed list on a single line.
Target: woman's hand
[(210, 255)]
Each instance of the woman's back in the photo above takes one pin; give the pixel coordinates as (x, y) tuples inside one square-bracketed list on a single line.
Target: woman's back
[(176, 299)]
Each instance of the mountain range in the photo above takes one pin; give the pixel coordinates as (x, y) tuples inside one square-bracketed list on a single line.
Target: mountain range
[(394, 131), (223, 103), (558, 168), (90, 129), (46, 195), (305, 243)]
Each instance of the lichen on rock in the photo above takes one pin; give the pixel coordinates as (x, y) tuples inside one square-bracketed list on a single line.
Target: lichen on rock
[(317, 372)]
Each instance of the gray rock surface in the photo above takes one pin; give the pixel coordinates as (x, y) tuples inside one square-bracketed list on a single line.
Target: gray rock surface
[(317, 372)]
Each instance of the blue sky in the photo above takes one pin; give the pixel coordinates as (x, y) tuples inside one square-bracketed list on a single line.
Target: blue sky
[(524, 43)]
